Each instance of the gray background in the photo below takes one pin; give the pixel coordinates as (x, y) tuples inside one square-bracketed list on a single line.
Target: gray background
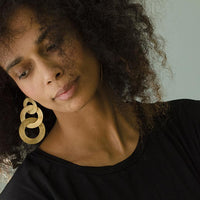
[(178, 22)]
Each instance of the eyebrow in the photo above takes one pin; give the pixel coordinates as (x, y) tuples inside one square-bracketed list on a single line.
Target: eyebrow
[(39, 40)]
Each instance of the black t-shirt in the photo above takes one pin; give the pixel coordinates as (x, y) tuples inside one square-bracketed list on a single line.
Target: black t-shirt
[(165, 167)]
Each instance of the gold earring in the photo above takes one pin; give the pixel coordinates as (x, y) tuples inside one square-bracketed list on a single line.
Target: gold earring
[(31, 122)]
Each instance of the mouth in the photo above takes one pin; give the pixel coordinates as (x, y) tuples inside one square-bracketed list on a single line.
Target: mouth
[(65, 92)]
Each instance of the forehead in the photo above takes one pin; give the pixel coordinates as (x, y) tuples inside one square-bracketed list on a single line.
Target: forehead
[(21, 19), (21, 23)]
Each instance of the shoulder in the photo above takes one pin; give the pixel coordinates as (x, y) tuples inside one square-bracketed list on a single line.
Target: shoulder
[(185, 113), (184, 124), (187, 110), (185, 101)]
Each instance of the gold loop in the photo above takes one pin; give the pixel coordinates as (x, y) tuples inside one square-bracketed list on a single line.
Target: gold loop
[(37, 122), (24, 111), (34, 105), (23, 135)]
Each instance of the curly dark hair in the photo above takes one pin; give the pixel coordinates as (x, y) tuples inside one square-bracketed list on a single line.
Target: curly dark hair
[(120, 34)]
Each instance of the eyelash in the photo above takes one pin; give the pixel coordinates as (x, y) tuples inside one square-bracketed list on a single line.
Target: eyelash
[(21, 75), (50, 47)]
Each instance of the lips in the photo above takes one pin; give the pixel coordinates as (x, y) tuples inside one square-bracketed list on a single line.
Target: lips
[(65, 88)]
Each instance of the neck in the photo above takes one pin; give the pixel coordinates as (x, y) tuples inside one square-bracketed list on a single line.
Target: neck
[(98, 125)]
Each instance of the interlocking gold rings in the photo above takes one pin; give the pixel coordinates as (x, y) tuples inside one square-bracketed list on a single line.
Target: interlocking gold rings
[(31, 122)]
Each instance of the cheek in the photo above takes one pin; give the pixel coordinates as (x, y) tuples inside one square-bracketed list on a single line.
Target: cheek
[(31, 92), (73, 52)]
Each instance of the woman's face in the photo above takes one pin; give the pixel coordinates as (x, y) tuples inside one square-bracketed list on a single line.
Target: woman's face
[(40, 71)]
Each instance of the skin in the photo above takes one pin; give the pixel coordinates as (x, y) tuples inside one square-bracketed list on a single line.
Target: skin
[(88, 129)]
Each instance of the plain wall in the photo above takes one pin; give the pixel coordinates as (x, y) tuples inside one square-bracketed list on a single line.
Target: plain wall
[(179, 23)]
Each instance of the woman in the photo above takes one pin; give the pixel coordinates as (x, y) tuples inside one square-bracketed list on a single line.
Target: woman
[(70, 75)]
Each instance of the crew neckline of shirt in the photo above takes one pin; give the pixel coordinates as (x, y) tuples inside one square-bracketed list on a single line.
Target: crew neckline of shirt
[(131, 159)]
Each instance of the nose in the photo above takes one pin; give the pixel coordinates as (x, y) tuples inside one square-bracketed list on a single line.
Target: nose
[(52, 75), (49, 70)]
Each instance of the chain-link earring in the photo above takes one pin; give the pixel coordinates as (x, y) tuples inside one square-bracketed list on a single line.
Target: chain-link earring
[(31, 122)]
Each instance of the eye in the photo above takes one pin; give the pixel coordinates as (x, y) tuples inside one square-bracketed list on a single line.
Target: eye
[(51, 47), (22, 75)]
